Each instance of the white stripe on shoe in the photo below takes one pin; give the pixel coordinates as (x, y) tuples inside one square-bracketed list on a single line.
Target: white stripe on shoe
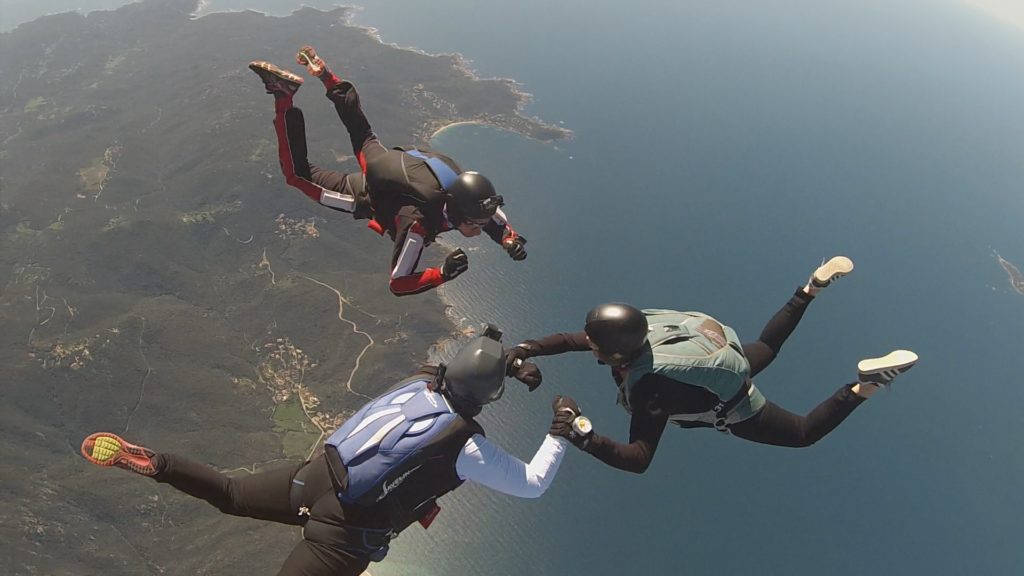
[(884, 369)]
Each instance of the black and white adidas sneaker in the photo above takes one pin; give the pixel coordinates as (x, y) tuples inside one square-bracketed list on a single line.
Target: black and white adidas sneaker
[(836, 267), (882, 371)]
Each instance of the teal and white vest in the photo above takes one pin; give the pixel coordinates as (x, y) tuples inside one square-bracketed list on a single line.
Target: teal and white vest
[(696, 349)]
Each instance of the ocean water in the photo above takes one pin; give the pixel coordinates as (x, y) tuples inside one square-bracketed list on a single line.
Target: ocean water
[(721, 150)]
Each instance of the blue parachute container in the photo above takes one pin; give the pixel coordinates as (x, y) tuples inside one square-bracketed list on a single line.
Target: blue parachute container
[(380, 446)]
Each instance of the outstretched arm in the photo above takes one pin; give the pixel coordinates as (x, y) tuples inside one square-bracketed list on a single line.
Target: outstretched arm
[(644, 434), (645, 430), (528, 372), (488, 464), (559, 343)]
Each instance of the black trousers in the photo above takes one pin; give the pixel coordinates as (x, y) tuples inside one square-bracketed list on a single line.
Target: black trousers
[(776, 425), (268, 496)]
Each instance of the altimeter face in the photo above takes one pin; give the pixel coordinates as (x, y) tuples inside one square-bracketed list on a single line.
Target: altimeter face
[(581, 425)]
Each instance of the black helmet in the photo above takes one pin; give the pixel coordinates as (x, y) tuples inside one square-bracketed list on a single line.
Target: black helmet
[(618, 330), (476, 376), (472, 196)]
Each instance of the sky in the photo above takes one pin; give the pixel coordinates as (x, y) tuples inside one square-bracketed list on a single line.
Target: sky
[(1008, 11), (13, 12)]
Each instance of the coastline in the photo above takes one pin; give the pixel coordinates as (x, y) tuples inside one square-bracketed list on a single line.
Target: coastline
[(518, 122), (462, 64), (442, 129)]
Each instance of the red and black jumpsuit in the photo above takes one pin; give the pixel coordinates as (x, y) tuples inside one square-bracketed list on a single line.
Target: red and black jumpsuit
[(397, 190)]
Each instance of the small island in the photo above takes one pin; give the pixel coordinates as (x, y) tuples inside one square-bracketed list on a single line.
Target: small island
[(1016, 278)]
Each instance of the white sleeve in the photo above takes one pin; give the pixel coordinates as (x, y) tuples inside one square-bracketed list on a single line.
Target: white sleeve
[(488, 464), (337, 200), (409, 257), (500, 217)]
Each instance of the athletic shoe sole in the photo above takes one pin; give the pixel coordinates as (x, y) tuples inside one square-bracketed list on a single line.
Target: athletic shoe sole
[(276, 79), (307, 57), (836, 267), (106, 449), (883, 370)]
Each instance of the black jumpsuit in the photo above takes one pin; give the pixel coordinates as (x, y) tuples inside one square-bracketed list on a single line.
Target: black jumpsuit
[(655, 398)]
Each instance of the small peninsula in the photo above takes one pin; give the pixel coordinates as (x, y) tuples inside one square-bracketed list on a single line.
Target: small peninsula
[(1016, 278)]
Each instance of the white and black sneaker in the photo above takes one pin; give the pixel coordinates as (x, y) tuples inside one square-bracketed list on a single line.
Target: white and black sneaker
[(882, 371), (828, 272)]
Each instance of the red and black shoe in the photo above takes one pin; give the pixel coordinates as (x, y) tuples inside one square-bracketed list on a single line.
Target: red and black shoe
[(107, 449), (277, 81)]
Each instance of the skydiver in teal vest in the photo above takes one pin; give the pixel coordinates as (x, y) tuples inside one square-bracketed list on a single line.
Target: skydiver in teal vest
[(689, 369), (380, 472)]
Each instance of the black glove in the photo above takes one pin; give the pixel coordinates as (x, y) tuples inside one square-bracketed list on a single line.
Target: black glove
[(566, 411), (454, 264), (514, 246), (519, 352), (517, 367), (526, 372)]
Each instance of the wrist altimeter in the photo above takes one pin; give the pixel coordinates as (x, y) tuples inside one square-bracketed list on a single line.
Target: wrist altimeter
[(582, 425)]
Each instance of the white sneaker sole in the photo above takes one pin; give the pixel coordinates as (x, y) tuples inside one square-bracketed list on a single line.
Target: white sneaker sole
[(889, 366), (837, 266)]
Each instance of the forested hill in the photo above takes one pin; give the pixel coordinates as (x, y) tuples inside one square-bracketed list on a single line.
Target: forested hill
[(158, 279)]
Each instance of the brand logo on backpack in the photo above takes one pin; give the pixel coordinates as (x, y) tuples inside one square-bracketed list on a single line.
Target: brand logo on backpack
[(387, 487), (713, 331)]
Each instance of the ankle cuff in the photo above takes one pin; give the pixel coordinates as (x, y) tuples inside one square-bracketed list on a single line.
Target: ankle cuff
[(801, 294), (329, 79)]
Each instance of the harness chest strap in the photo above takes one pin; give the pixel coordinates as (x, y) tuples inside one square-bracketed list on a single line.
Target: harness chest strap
[(444, 174)]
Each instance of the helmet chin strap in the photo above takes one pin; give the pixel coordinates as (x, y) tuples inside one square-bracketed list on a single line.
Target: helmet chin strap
[(439, 385)]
